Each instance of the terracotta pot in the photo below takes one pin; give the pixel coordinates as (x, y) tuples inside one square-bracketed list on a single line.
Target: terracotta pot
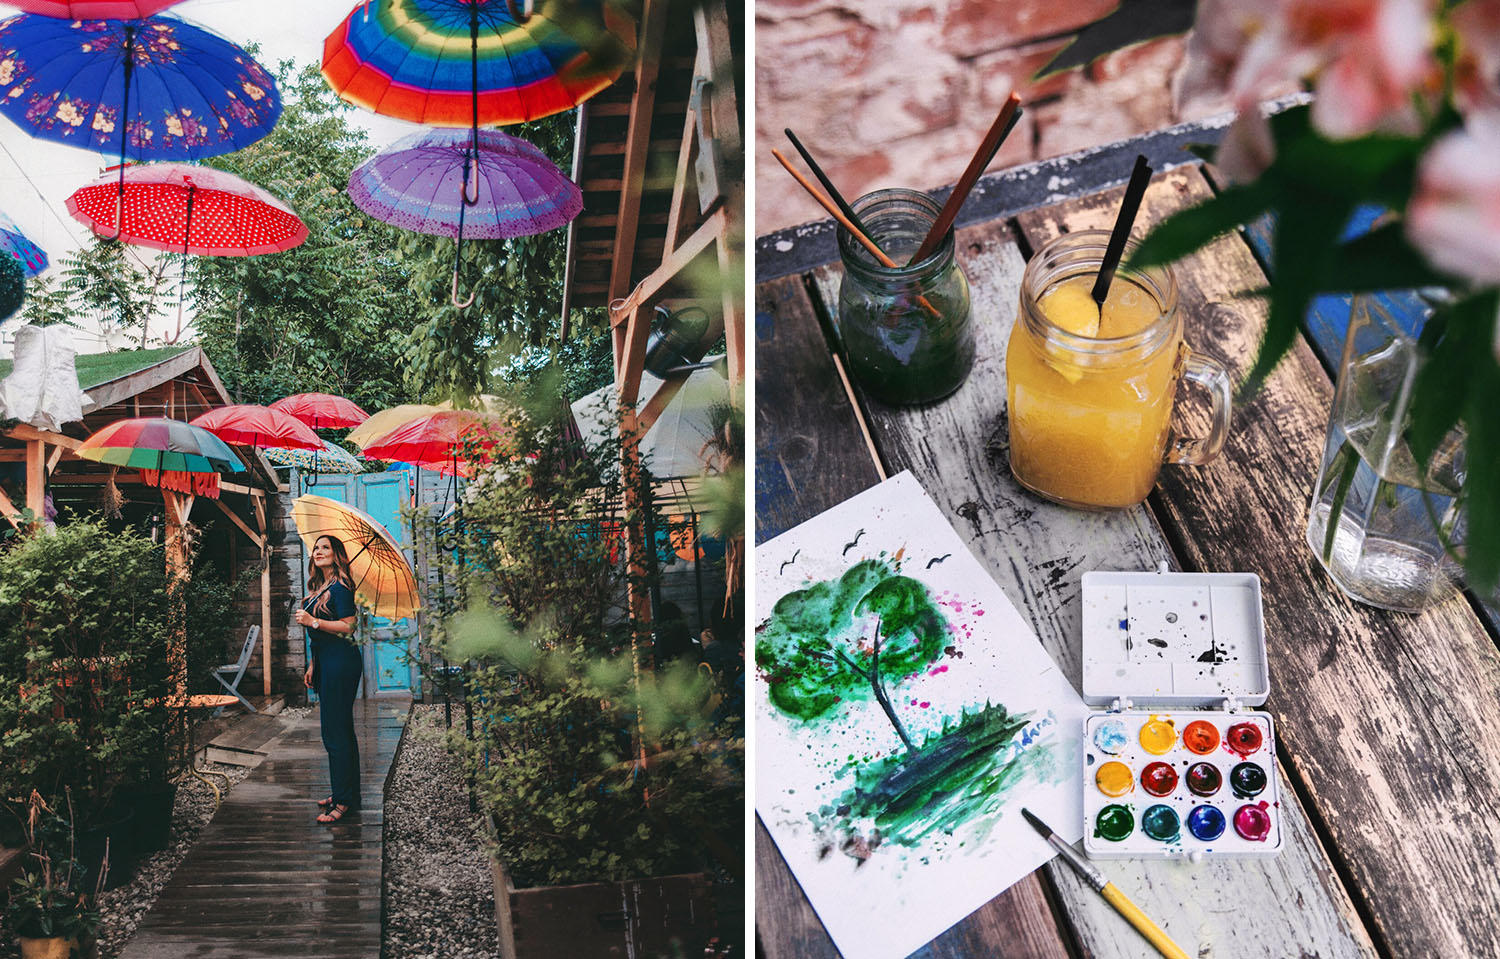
[(53, 947)]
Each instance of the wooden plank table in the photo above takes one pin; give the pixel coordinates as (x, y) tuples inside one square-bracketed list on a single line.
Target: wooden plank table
[(1387, 766)]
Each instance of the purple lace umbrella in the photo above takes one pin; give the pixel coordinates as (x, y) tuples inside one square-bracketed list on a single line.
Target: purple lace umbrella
[(428, 183)]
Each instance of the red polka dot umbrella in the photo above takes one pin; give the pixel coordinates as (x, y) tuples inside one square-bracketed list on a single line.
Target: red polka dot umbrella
[(188, 209), (93, 9)]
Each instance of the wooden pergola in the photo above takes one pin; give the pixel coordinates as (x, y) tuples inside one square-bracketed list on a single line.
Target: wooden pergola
[(179, 383), (660, 159)]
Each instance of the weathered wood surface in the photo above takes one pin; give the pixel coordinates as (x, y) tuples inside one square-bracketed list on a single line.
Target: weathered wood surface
[(1382, 717), (265, 879), (813, 444), (1038, 552)]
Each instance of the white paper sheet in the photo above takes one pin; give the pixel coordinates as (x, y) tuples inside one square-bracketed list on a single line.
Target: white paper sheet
[(891, 865)]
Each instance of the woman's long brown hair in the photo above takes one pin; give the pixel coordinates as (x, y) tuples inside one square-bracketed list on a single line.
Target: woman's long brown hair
[(316, 578)]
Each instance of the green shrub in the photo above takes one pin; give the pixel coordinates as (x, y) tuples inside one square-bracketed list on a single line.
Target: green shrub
[(86, 617)]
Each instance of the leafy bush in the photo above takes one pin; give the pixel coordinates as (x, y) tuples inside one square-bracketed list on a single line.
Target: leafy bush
[(50, 897), (86, 617), (564, 709)]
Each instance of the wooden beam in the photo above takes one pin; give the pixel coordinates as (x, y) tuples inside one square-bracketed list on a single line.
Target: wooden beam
[(133, 384), (684, 178), (36, 478), (255, 538), (580, 132), (179, 570), (57, 454), (9, 511), (637, 145), (259, 505), (674, 264), (28, 433), (711, 20), (17, 455)]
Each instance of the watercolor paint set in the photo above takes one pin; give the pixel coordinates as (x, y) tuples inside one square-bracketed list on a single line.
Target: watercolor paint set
[(1177, 766)]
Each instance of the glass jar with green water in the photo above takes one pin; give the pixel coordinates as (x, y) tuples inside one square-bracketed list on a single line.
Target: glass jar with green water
[(905, 329)]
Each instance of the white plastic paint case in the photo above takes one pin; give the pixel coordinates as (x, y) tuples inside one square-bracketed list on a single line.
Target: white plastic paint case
[(1177, 647)]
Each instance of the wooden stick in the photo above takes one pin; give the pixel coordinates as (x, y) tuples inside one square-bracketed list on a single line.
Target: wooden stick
[(1140, 177), (1005, 121), (854, 231)]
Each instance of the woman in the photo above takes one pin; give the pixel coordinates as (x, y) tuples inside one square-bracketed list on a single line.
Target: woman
[(328, 614)]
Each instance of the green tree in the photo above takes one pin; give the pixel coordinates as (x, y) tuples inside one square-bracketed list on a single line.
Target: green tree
[(842, 639), (332, 314)]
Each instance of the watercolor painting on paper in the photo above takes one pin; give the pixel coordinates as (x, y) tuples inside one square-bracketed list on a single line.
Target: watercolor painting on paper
[(905, 713)]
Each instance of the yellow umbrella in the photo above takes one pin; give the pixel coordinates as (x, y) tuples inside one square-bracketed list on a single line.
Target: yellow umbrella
[(383, 580), (383, 422)]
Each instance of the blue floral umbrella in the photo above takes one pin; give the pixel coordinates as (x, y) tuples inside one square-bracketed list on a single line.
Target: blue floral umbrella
[(328, 460), (150, 89), (14, 243)]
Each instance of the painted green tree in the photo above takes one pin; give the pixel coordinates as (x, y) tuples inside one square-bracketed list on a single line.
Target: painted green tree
[(846, 638)]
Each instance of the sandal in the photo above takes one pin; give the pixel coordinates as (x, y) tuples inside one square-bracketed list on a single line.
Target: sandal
[(334, 814), (325, 803)]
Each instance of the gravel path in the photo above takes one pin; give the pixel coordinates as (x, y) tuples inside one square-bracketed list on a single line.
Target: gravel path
[(440, 901)]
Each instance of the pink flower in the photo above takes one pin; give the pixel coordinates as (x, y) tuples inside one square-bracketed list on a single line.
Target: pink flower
[(1247, 147), (1476, 24), (1454, 215), (1366, 58)]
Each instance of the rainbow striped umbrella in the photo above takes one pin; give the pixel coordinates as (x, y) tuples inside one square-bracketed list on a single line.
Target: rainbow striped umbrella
[(161, 444), (472, 63)]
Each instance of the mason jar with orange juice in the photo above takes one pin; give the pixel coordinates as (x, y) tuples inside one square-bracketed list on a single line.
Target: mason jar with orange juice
[(1091, 390)]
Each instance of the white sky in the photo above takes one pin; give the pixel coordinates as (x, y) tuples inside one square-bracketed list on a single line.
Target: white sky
[(36, 176)]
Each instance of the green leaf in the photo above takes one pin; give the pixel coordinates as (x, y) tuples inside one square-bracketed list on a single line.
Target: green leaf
[(1307, 226), (1377, 261), (1188, 231), (1455, 341), (1132, 22), (1482, 484)]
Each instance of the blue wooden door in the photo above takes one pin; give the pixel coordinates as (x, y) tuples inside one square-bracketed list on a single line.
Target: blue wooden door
[(391, 650), (389, 647)]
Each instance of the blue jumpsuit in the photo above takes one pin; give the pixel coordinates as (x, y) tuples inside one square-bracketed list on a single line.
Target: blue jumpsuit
[(337, 669)]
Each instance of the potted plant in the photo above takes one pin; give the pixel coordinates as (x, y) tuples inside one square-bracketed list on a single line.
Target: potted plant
[(602, 779), (51, 908)]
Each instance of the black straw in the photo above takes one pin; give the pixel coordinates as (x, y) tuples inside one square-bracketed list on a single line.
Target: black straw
[(1140, 177), (833, 193)]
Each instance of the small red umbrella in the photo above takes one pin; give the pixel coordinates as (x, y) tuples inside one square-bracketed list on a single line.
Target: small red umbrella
[(322, 411), (261, 426), (430, 441), (188, 209), (93, 9)]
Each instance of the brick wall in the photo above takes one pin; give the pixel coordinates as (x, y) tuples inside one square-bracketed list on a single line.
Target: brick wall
[(900, 92)]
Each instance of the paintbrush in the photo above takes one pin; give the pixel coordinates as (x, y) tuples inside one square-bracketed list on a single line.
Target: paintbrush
[(1005, 121), (838, 215), (1112, 895)]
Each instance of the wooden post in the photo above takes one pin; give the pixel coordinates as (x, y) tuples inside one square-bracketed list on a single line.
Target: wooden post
[(36, 478), (179, 572), (259, 502)]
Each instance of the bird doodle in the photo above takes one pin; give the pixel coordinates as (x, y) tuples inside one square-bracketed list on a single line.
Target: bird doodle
[(933, 562), (788, 563), (851, 544)]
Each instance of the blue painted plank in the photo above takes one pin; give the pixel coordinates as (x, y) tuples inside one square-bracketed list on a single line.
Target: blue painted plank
[(1327, 320)]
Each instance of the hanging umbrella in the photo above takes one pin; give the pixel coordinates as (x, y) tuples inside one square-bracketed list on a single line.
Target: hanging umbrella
[(33, 259), (188, 209), (440, 183), (383, 422), (163, 88), (427, 440), (261, 426), (327, 459), (322, 411), (159, 443), (93, 9), (471, 63), (383, 580)]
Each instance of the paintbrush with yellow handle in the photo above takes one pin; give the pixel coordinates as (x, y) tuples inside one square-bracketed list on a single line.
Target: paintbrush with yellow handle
[(1107, 889)]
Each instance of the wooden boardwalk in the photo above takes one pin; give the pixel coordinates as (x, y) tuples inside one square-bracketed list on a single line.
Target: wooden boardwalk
[(265, 879)]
